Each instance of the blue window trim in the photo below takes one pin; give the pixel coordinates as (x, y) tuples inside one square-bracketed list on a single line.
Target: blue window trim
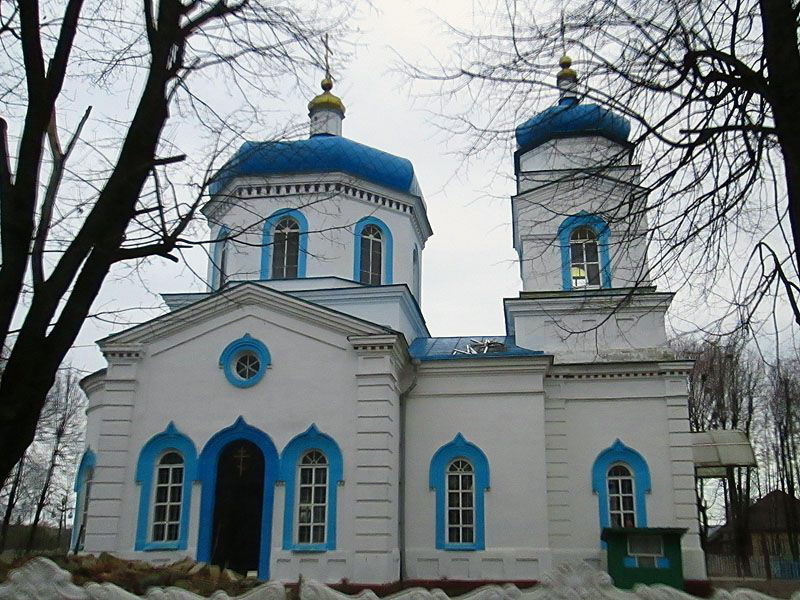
[(662, 562), (387, 249), (459, 447), (207, 467), (619, 453), (88, 462), (232, 352), (216, 268), (167, 441), (603, 232), (310, 439), (267, 238)]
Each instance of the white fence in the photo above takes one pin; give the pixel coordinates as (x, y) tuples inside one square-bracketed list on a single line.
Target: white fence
[(41, 579)]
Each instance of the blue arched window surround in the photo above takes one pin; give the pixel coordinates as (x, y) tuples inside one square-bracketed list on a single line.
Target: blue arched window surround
[(267, 238), (387, 249), (459, 448), (232, 352), (603, 232), (168, 440), (619, 453), (310, 439), (86, 467), (216, 261), (207, 467)]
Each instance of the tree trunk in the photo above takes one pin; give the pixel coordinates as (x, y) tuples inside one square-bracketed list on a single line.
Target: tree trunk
[(779, 24), (42, 499), (12, 500)]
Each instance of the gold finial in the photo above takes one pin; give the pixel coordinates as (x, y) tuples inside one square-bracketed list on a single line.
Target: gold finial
[(565, 62)]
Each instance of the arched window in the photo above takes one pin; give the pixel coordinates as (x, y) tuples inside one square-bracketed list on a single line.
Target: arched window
[(224, 255), (165, 471), (459, 474), (312, 498), (621, 480), (621, 508), (83, 488), (371, 255), (460, 502), (286, 249), (168, 498), (312, 468), (584, 258), (284, 245)]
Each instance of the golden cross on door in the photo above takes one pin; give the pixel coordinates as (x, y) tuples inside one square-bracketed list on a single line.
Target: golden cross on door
[(241, 455)]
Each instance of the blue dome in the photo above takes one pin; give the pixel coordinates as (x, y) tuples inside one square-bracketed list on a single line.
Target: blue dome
[(569, 118), (319, 154)]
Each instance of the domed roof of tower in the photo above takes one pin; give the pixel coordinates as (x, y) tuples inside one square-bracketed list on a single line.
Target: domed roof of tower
[(326, 100), (319, 154), (570, 118)]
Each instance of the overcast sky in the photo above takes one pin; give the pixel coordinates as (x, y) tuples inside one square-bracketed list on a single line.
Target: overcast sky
[(469, 264)]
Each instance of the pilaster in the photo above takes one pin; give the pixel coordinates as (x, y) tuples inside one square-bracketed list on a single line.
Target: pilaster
[(381, 359)]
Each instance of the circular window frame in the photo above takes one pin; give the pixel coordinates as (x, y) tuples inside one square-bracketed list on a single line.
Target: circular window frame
[(234, 351)]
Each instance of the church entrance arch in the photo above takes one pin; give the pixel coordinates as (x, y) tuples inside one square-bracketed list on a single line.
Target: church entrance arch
[(238, 470), (238, 498)]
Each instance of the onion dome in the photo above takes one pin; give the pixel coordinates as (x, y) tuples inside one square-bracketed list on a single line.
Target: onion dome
[(319, 154), (570, 118), (326, 100)]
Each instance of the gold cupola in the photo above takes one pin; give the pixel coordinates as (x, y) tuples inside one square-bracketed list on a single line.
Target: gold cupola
[(326, 111)]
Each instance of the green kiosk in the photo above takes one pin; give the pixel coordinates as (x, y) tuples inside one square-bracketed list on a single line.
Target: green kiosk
[(644, 555)]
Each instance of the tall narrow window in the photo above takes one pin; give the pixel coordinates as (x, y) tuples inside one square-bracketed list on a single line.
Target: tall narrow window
[(460, 502), (371, 255), (584, 261), (286, 249), (621, 507), (168, 498), (87, 487), (223, 262), (312, 507)]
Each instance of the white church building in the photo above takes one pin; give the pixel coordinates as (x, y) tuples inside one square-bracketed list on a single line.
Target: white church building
[(299, 418)]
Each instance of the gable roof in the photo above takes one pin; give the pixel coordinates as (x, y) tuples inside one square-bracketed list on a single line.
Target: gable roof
[(248, 293)]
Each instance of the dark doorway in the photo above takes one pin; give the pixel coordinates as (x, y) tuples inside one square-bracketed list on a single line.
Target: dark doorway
[(238, 502)]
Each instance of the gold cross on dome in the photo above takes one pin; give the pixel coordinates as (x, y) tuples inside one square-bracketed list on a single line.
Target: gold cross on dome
[(327, 54)]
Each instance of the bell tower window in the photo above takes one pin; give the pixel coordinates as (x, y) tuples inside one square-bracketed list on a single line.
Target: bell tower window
[(371, 255), (584, 258), (286, 249)]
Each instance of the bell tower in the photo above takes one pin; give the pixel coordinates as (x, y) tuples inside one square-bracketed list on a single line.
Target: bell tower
[(580, 233)]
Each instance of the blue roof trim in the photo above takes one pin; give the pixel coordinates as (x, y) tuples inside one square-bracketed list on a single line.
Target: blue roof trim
[(567, 118), (442, 348), (319, 154)]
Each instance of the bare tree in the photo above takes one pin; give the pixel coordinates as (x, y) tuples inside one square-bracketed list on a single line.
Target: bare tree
[(726, 391), (711, 89), (60, 435), (59, 242)]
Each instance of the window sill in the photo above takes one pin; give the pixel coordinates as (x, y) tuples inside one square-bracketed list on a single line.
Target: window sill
[(309, 548), (157, 546), (461, 547)]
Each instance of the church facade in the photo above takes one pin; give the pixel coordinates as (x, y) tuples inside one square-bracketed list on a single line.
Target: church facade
[(299, 418)]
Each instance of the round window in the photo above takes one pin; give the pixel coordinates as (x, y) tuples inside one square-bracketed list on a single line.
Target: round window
[(247, 365), (244, 361)]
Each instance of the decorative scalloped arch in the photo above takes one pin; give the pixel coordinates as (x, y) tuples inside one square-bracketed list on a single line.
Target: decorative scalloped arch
[(171, 439), (207, 470), (619, 453), (310, 439), (459, 447)]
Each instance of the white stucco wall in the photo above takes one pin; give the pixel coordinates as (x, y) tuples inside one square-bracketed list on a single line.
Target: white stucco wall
[(331, 217)]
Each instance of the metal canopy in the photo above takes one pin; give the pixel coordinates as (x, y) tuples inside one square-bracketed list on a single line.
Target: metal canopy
[(714, 451)]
